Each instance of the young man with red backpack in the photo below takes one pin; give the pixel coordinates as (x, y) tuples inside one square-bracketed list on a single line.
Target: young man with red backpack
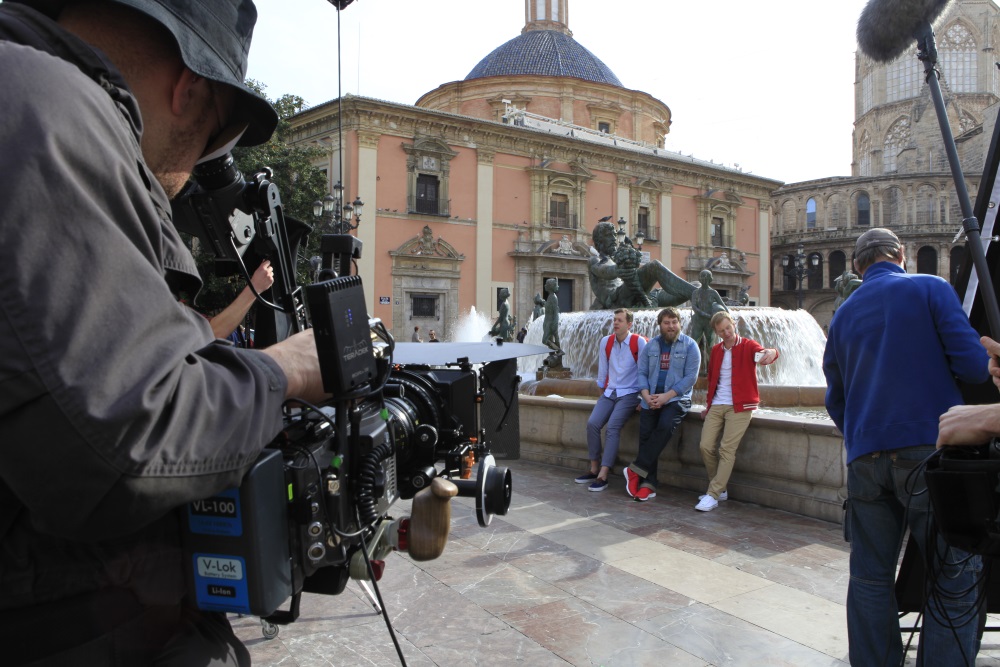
[(618, 377)]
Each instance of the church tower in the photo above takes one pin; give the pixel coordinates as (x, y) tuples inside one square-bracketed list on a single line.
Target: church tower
[(547, 15)]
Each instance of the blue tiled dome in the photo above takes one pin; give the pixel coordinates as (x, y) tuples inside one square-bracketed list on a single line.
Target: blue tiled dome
[(544, 53)]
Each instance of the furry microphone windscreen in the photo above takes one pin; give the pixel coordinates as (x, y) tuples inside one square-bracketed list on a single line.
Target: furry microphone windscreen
[(888, 27)]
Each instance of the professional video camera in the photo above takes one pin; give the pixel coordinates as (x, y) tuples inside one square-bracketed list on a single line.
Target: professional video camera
[(406, 421)]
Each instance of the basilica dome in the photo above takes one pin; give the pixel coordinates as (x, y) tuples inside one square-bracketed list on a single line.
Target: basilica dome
[(544, 53)]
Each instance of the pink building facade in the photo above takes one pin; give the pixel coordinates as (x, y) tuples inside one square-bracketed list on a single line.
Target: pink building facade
[(497, 182)]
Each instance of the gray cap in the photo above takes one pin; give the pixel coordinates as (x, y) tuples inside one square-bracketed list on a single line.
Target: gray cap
[(214, 40), (877, 236)]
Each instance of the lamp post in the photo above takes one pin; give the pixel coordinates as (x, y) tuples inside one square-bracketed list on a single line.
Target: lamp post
[(621, 234), (798, 268), (340, 217)]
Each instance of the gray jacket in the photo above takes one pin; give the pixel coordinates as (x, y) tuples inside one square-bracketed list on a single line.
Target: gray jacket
[(117, 406)]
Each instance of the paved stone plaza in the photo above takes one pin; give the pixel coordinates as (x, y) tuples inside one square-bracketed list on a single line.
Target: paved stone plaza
[(572, 577)]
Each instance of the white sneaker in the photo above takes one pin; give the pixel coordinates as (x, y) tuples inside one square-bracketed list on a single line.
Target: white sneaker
[(706, 504), (722, 496)]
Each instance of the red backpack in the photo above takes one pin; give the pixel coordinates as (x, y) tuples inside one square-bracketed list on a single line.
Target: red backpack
[(633, 344)]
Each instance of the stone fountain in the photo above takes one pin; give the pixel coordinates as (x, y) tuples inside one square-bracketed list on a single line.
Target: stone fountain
[(796, 379), (785, 461)]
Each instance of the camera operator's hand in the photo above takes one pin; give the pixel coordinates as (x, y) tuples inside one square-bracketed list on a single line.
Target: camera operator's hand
[(969, 424), (297, 356), (263, 277), (993, 348)]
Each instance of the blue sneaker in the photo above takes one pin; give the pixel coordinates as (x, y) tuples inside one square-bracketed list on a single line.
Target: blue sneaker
[(586, 479), (599, 484)]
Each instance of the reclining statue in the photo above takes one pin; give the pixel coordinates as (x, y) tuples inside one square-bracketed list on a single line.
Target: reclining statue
[(618, 280)]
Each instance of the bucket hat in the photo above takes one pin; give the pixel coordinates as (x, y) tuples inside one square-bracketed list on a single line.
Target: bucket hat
[(214, 41)]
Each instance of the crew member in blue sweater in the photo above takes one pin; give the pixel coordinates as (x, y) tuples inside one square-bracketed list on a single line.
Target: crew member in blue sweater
[(892, 358)]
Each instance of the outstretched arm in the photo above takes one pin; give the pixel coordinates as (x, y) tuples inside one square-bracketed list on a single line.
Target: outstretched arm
[(226, 322)]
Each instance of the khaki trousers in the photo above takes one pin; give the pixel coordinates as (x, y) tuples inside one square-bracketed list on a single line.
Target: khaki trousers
[(719, 462)]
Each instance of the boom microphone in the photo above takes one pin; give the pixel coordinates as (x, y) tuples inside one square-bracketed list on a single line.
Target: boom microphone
[(888, 27)]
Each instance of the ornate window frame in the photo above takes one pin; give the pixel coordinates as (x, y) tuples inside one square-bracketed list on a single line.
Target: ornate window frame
[(429, 156)]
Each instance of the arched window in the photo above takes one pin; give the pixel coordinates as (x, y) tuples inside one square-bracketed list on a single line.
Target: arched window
[(956, 260), (788, 222), (926, 205), (892, 207), (958, 52), (864, 210), (836, 211), (811, 214), (790, 283), (927, 260), (903, 77), (837, 264), (815, 271), (865, 155), (896, 139)]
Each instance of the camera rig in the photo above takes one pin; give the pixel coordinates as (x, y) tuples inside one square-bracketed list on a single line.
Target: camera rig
[(406, 421)]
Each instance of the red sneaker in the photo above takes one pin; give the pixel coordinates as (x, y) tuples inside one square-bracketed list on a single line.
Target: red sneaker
[(644, 493), (631, 482)]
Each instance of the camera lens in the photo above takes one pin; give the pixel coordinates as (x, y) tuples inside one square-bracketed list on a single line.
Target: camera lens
[(218, 173)]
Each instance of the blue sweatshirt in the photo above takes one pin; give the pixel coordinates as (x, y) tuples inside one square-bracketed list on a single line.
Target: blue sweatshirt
[(894, 350)]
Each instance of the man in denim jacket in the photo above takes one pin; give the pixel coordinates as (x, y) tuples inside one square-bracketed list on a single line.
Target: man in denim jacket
[(668, 368)]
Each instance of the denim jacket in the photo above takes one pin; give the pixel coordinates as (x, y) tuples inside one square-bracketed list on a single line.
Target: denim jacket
[(685, 359)]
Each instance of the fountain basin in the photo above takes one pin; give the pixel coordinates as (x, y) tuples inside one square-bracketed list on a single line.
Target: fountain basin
[(783, 462), (771, 396)]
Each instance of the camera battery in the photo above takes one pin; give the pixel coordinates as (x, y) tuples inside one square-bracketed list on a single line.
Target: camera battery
[(236, 544), (343, 339)]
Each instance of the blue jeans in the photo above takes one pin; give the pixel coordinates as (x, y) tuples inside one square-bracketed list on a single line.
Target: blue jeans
[(656, 427), (614, 412), (878, 495)]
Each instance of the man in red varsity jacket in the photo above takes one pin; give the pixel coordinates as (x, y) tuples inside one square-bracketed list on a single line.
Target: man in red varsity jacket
[(732, 398)]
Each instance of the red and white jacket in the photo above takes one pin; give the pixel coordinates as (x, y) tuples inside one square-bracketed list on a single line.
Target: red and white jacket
[(745, 395)]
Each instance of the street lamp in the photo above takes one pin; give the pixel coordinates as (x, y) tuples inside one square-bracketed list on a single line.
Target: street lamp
[(342, 218), (798, 267), (639, 238), (621, 234)]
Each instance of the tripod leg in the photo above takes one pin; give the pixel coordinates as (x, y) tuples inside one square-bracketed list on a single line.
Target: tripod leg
[(370, 595)]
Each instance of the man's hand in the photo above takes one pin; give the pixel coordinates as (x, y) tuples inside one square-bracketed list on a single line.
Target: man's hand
[(704, 413), (969, 424), (769, 357), (298, 358), (263, 277), (993, 348)]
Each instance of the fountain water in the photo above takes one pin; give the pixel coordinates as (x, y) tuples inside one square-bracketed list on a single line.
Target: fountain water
[(472, 327), (793, 332)]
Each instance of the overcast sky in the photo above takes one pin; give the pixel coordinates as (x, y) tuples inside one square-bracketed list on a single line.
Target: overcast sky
[(765, 85)]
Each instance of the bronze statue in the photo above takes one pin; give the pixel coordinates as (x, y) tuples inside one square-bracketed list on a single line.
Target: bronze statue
[(705, 302), (844, 285), (503, 328), (619, 281), (539, 309), (550, 328)]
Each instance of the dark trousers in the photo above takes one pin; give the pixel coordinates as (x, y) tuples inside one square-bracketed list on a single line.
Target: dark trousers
[(656, 427), (110, 627)]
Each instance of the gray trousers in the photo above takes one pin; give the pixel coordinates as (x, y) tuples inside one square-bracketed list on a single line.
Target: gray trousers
[(614, 412)]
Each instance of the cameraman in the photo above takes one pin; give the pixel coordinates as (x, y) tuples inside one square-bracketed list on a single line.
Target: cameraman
[(117, 405)]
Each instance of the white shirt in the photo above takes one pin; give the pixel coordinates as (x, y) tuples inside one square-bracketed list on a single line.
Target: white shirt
[(724, 389)]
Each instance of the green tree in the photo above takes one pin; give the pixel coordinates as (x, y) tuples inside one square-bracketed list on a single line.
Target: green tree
[(299, 184)]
